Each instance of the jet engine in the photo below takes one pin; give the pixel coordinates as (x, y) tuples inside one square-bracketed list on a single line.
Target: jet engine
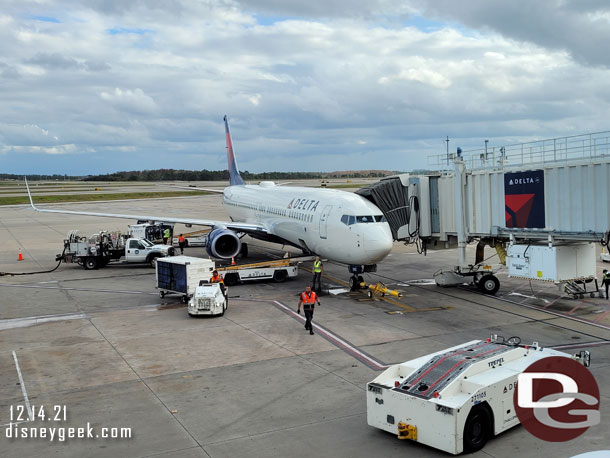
[(223, 243)]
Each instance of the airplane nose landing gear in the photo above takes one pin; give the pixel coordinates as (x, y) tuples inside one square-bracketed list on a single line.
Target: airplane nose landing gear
[(356, 280)]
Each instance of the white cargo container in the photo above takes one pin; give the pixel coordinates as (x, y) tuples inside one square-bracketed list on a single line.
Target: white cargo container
[(560, 263), (182, 274), (456, 399)]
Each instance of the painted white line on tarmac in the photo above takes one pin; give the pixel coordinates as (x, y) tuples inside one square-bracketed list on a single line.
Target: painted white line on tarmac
[(23, 390), (13, 323)]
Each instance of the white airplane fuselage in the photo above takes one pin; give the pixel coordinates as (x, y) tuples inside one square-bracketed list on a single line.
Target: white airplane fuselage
[(318, 220)]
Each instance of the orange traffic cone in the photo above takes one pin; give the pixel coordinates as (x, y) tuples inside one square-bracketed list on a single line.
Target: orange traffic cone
[(20, 258), (232, 261)]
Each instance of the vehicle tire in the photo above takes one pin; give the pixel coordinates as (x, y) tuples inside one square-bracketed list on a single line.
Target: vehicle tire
[(370, 294), (489, 284), (592, 294), (161, 294), (152, 260), (184, 299), (90, 263), (231, 279), (280, 276), (224, 309), (244, 250), (353, 283), (171, 251), (477, 429), (186, 243)]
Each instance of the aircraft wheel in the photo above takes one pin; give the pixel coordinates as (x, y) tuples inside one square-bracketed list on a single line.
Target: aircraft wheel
[(353, 283)]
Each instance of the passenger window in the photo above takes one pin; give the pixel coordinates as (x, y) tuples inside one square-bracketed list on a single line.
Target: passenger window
[(133, 244)]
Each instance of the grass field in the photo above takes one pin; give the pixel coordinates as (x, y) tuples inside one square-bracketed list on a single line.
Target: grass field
[(15, 200)]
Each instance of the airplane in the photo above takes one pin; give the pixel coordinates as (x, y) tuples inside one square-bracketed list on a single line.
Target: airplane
[(337, 225)]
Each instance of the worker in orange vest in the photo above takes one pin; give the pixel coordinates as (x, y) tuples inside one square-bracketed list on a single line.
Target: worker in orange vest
[(308, 299), (181, 243), (217, 278)]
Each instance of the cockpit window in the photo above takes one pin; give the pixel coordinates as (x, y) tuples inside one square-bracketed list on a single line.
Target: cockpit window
[(351, 219)]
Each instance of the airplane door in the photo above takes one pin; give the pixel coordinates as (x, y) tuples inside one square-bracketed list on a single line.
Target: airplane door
[(323, 220)]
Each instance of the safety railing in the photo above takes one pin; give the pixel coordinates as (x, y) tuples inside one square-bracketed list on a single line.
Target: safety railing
[(577, 147)]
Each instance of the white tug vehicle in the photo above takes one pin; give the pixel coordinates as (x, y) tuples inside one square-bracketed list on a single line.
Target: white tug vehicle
[(455, 399)]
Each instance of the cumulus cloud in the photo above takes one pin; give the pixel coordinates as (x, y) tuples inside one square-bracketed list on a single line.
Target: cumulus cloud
[(340, 81)]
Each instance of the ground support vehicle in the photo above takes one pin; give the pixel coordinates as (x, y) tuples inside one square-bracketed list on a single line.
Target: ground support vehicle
[(277, 270), (105, 247), (457, 398), (150, 230), (196, 238), (182, 275), (209, 299)]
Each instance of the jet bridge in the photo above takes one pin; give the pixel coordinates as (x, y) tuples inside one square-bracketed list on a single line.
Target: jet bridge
[(552, 193)]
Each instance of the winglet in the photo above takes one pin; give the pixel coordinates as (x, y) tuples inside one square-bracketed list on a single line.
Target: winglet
[(30, 194), (234, 176)]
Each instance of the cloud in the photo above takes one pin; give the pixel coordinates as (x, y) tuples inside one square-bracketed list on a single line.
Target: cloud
[(135, 101), (349, 81)]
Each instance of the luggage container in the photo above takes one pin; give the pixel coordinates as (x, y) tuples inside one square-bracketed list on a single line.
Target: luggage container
[(181, 275)]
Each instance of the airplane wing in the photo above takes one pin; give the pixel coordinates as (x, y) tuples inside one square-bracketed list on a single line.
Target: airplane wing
[(236, 226), (195, 188)]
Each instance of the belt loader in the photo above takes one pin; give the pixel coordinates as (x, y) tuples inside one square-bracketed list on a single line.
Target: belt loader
[(455, 399)]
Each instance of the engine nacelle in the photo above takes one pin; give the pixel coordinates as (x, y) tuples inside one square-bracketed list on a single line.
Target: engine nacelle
[(223, 243)]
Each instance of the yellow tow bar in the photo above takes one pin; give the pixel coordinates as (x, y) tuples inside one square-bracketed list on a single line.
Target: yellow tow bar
[(380, 289)]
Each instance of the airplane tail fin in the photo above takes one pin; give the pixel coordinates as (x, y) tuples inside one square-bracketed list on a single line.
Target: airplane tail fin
[(234, 177)]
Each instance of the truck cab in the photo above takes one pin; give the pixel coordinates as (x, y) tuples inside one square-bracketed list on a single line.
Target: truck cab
[(141, 250)]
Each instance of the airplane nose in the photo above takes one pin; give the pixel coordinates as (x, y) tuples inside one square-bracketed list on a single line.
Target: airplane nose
[(378, 245)]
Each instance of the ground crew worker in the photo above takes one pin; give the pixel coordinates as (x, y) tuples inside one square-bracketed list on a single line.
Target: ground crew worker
[(308, 299), (318, 268), (166, 236), (606, 280), (181, 243), (217, 278)]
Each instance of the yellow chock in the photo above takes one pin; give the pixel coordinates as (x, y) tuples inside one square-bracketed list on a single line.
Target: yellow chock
[(407, 431)]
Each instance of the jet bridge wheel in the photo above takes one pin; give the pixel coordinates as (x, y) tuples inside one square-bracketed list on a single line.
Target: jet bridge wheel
[(489, 284), (477, 429)]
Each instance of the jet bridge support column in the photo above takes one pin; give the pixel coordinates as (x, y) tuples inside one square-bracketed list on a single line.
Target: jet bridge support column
[(460, 219)]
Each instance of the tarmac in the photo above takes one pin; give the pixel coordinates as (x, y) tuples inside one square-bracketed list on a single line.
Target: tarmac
[(252, 383)]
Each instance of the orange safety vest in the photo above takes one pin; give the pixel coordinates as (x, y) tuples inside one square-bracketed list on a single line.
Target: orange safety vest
[(311, 299), (217, 279), (181, 239)]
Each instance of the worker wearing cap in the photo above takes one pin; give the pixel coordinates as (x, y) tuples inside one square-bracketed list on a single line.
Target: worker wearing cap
[(606, 280), (181, 243), (318, 268), (166, 236), (308, 299)]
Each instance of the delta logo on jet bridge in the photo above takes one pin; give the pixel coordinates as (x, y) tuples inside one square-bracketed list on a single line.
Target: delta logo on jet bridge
[(524, 199)]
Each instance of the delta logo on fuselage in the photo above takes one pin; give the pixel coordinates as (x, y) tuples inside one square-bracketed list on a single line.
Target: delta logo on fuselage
[(303, 204)]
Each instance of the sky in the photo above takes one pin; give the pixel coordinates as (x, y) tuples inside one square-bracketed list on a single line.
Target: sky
[(98, 86)]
